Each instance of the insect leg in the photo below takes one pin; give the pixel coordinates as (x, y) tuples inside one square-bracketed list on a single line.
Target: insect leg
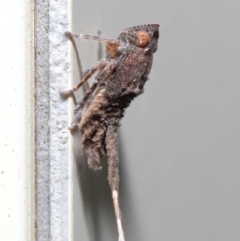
[(103, 75), (101, 64), (113, 175), (80, 106)]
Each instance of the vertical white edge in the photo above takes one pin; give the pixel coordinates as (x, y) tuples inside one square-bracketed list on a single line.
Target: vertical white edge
[(70, 108), (17, 121), (32, 147)]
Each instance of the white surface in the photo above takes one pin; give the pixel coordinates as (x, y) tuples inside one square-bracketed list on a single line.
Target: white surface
[(16, 172)]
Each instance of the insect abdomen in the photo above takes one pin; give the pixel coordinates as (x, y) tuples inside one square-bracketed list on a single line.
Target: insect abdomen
[(102, 113)]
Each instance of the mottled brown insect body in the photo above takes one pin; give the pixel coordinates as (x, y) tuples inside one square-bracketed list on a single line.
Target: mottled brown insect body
[(122, 76)]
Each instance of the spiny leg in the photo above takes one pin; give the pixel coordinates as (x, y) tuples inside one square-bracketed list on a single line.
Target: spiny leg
[(103, 75), (113, 175), (94, 148), (80, 105), (101, 64)]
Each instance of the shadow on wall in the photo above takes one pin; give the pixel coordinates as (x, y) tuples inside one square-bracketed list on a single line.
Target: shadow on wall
[(96, 199)]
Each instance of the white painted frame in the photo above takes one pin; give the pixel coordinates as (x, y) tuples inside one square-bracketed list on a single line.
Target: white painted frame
[(17, 185)]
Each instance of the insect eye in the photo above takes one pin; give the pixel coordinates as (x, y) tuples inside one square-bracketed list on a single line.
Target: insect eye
[(142, 38)]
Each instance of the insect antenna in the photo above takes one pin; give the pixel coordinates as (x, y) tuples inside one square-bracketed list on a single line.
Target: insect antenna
[(86, 36)]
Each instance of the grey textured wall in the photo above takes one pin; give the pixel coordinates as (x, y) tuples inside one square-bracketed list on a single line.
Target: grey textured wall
[(51, 121), (179, 141)]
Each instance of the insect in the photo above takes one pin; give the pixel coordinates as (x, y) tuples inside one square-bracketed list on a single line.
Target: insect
[(121, 77)]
